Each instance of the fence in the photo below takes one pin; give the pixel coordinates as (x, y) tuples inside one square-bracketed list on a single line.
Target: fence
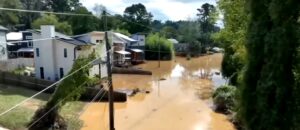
[(40, 84), (12, 64)]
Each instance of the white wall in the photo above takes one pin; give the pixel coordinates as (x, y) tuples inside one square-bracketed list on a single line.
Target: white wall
[(140, 38), (3, 50), (63, 62)]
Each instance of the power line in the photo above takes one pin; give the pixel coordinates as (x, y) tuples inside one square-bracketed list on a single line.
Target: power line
[(72, 14), (58, 104), (45, 12), (22, 102)]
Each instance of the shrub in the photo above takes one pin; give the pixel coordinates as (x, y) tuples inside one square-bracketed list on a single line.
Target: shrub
[(156, 44), (224, 99)]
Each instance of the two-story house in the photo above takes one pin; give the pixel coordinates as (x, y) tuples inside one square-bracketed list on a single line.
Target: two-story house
[(141, 41), (54, 58), (20, 44), (3, 47)]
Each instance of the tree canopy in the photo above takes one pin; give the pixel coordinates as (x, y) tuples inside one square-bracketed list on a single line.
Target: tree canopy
[(137, 18), (62, 27)]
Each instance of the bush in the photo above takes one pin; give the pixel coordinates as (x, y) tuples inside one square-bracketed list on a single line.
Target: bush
[(224, 99), (156, 44)]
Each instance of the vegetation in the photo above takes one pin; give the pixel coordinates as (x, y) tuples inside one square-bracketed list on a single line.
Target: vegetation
[(63, 27), (269, 88), (21, 116), (158, 47), (233, 38), (70, 89), (137, 13), (224, 98)]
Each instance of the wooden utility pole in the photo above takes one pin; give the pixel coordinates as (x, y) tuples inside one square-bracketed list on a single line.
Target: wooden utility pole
[(159, 55), (109, 71)]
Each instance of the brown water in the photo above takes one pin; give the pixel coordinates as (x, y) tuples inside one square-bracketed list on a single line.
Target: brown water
[(181, 102)]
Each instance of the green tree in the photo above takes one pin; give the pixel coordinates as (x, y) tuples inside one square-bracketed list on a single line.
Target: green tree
[(92, 22), (122, 31), (137, 18), (28, 18), (269, 94), (156, 46), (169, 32), (8, 18), (233, 38), (207, 18), (62, 5), (62, 27), (70, 89), (189, 33)]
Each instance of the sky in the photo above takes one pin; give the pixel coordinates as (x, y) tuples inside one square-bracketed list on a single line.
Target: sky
[(161, 9)]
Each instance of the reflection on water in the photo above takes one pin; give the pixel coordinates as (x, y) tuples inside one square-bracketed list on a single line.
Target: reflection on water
[(177, 103)]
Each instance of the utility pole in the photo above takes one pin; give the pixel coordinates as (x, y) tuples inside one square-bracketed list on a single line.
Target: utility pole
[(109, 71), (159, 55)]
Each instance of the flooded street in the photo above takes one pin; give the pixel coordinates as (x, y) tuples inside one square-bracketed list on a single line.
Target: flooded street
[(179, 98)]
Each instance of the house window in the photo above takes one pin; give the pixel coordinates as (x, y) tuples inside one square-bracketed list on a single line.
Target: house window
[(37, 52), (42, 72), (29, 44), (99, 41), (61, 72), (65, 53), (142, 40)]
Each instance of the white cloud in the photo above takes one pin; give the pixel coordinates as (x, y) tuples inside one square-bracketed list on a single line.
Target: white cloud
[(172, 9)]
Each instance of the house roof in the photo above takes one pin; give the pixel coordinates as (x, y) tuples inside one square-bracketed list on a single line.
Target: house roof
[(25, 50), (137, 50), (123, 52), (14, 36), (67, 39), (3, 28), (174, 41), (75, 42), (124, 37)]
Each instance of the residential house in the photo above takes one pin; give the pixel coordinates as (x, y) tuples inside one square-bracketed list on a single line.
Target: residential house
[(124, 54), (54, 58), (141, 41), (20, 45), (3, 47)]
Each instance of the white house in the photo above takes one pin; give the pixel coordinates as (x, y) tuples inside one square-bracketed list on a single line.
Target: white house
[(54, 58), (3, 47), (141, 38)]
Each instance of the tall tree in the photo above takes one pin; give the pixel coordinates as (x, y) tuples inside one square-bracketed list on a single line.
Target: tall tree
[(233, 37), (137, 18), (207, 18), (62, 27), (28, 18), (9, 18), (77, 21), (169, 32), (269, 96)]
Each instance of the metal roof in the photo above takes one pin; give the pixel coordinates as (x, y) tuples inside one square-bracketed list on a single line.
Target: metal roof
[(66, 38), (137, 50), (25, 50), (123, 52), (75, 42), (14, 36), (124, 37), (3, 28), (174, 41)]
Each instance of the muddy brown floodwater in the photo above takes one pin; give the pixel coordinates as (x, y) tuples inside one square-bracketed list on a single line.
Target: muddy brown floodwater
[(181, 100)]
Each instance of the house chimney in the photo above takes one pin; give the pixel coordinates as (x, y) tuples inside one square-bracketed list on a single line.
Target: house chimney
[(48, 31)]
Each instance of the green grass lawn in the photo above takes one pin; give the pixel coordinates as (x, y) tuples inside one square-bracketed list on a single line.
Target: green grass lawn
[(18, 118)]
